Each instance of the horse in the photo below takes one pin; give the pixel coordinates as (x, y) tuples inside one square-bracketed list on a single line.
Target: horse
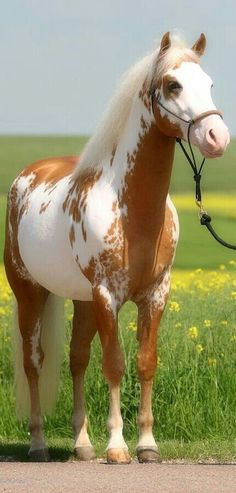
[(101, 229)]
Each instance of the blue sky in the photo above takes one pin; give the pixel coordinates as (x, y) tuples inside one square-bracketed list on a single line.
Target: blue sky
[(61, 59)]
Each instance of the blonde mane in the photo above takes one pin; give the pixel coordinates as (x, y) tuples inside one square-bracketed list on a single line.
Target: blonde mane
[(112, 124)]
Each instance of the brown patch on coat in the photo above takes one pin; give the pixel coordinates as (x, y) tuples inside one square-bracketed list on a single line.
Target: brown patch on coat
[(84, 233), (186, 57), (166, 79), (167, 127), (112, 155), (75, 201), (50, 171), (144, 96), (114, 234), (44, 206), (72, 235)]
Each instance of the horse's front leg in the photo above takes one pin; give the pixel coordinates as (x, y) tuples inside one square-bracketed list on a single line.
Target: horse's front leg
[(113, 367), (150, 311)]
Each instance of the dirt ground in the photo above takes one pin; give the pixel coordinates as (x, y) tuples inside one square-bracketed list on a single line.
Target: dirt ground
[(98, 477)]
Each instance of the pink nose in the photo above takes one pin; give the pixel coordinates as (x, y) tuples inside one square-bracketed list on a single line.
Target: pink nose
[(216, 141)]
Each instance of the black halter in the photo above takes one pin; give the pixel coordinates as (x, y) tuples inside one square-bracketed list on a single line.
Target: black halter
[(205, 219)]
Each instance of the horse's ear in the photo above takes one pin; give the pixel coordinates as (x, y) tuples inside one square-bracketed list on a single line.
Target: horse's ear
[(165, 43), (200, 45)]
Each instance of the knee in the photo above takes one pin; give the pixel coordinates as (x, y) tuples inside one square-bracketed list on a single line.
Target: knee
[(79, 361), (146, 365), (113, 367)]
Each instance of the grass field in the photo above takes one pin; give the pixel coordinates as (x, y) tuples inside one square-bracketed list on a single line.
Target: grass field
[(194, 391)]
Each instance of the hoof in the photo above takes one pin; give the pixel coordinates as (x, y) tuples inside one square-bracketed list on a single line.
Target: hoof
[(84, 453), (146, 454), (41, 455), (118, 456)]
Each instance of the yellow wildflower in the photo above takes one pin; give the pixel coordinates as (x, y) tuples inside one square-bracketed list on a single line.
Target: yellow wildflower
[(174, 306), (199, 348), (159, 362), (212, 361), (207, 323), (222, 267), (3, 311), (178, 325), (233, 294), (132, 326), (193, 332), (233, 338), (224, 322)]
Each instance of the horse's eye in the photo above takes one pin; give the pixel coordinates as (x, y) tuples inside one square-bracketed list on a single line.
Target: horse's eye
[(174, 86)]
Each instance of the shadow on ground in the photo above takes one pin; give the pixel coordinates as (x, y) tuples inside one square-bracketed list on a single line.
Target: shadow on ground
[(18, 452)]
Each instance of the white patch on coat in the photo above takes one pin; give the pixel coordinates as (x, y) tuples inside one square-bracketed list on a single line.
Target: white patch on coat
[(110, 302), (45, 247), (115, 422), (175, 225), (157, 297), (35, 343)]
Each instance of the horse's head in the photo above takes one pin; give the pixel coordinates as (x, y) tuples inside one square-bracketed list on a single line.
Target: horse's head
[(181, 93)]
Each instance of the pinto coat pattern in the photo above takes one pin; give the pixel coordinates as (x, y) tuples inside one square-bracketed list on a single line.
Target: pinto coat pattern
[(101, 230)]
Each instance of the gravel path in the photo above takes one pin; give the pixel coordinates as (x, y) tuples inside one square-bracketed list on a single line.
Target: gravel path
[(71, 477)]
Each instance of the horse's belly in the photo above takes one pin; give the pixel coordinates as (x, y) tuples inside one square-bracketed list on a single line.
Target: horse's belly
[(46, 252)]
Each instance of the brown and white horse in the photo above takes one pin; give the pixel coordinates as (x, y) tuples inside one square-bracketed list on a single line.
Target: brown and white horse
[(102, 230)]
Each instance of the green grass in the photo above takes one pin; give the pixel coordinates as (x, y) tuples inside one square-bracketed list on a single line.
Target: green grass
[(197, 248), (218, 174), (194, 396)]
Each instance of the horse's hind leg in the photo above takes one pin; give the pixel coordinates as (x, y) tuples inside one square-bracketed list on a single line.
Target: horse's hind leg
[(31, 301), (84, 329)]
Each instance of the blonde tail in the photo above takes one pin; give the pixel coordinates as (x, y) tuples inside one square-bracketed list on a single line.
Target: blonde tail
[(52, 341)]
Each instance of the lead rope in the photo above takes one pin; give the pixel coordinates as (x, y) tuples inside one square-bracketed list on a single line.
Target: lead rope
[(205, 219)]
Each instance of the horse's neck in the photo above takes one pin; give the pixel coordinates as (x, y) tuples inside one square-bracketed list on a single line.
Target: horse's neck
[(143, 163)]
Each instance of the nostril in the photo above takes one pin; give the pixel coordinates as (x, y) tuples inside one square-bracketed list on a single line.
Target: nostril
[(212, 136)]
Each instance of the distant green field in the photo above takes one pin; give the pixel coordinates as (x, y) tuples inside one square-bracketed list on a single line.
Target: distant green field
[(17, 152), (196, 247)]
